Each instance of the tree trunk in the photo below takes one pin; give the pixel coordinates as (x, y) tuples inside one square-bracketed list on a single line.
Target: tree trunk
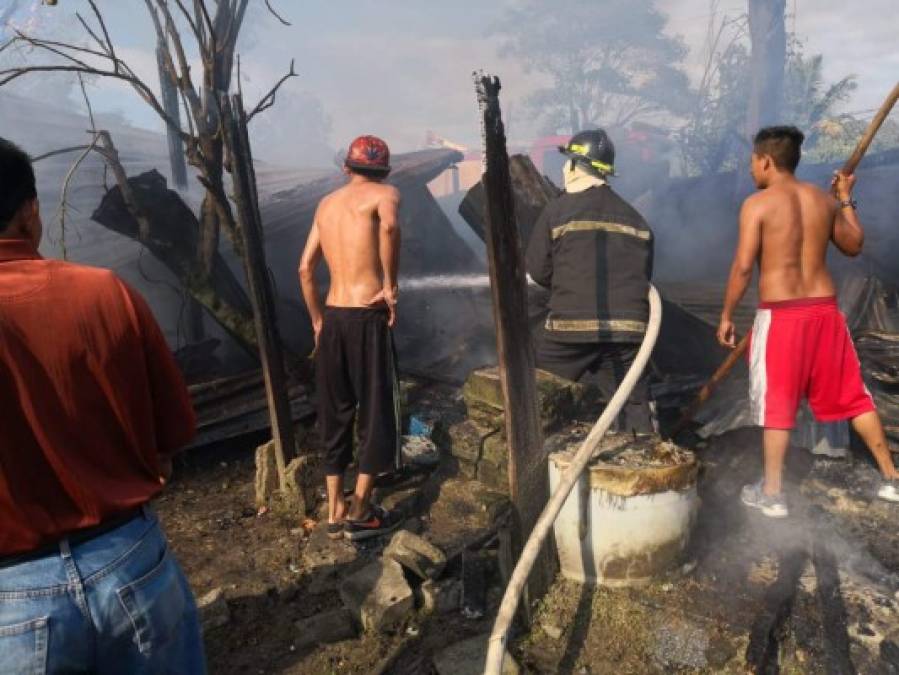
[(208, 243), (769, 54), (215, 211)]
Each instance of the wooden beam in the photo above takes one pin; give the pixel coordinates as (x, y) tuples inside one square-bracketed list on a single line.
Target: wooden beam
[(528, 477), (262, 295), (531, 192)]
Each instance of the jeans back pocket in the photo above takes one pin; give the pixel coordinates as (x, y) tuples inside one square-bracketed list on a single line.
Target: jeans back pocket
[(155, 605), (23, 647)]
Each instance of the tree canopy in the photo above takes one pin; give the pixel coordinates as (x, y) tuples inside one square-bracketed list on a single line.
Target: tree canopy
[(606, 63), (713, 138)]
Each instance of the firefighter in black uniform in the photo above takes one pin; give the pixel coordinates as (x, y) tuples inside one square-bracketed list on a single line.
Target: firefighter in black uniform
[(593, 251)]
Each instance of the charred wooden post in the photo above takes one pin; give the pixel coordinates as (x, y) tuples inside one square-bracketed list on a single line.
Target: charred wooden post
[(262, 297), (528, 476)]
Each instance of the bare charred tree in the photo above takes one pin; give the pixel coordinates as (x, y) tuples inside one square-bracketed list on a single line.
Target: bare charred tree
[(214, 27), (767, 30)]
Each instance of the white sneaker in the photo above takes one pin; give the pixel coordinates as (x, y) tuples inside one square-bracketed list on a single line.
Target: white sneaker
[(889, 490), (755, 497)]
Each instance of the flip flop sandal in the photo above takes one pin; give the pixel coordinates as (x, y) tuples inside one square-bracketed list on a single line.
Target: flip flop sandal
[(335, 530)]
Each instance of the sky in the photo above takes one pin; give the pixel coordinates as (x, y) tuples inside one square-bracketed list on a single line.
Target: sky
[(399, 68)]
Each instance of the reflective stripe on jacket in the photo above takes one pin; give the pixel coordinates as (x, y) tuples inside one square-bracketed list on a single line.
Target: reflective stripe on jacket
[(594, 252)]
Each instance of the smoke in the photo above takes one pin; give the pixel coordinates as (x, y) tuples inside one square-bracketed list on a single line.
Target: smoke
[(403, 69)]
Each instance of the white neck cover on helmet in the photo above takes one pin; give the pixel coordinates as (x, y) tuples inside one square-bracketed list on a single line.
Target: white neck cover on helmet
[(578, 179)]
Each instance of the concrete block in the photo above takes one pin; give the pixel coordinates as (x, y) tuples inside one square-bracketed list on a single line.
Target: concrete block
[(465, 439), (379, 596), (494, 475), (266, 473), (416, 554)]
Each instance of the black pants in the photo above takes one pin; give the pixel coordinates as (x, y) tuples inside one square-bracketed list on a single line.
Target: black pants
[(608, 362), (355, 368)]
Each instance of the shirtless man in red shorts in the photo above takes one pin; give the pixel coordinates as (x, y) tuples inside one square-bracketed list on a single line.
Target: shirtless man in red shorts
[(356, 229), (800, 345)]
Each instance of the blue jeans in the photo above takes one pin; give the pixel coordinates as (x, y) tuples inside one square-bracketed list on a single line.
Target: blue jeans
[(117, 603)]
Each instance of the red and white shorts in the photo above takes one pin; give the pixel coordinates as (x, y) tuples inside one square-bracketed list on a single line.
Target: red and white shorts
[(803, 349)]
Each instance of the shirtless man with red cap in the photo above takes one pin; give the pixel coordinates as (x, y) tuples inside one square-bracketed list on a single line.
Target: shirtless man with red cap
[(800, 345), (356, 229)]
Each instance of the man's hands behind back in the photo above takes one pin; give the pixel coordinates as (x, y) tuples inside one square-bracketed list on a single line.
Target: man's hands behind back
[(386, 296)]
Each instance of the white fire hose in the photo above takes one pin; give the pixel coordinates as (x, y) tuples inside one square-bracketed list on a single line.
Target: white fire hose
[(497, 646)]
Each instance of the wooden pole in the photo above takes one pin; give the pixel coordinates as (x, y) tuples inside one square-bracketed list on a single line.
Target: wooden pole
[(261, 293), (848, 168), (706, 392), (170, 105), (528, 477), (865, 142)]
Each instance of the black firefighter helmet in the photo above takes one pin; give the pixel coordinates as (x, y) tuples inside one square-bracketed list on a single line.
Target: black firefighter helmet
[(592, 149)]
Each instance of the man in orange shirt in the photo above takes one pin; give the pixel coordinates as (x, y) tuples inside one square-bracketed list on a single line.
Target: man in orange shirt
[(92, 409)]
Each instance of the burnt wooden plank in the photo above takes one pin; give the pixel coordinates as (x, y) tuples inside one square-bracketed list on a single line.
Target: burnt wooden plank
[(301, 410), (531, 192), (265, 316), (528, 477)]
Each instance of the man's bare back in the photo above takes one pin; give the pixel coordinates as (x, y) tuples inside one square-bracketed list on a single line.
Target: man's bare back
[(349, 221), (795, 221), (785, 228), (357, 232)]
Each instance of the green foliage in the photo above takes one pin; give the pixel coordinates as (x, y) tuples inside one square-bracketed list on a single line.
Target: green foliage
[(807, 100), (607, 63), (835, 139), (714, 137), (712, 140)]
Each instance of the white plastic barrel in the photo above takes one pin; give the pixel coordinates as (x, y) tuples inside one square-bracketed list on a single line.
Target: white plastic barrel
[(623, 525)]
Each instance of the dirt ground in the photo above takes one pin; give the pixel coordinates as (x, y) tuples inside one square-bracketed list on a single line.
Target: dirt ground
[(803, 596)]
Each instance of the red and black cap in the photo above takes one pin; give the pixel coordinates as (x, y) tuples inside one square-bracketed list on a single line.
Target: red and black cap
[(369, 153)]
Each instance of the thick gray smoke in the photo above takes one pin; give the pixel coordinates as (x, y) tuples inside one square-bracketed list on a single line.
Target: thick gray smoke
[(670, 79)]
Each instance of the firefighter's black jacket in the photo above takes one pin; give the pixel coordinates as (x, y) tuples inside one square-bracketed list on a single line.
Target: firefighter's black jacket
[(594, 252)]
